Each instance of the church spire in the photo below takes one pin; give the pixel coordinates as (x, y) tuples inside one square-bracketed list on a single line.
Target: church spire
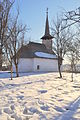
[(47, 24), (47, 33)]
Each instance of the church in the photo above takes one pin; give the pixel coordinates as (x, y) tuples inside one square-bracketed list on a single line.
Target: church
[(40, 57)]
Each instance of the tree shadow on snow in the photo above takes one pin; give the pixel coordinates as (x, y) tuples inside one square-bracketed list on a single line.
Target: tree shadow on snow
[(7, 74), (69, 111)]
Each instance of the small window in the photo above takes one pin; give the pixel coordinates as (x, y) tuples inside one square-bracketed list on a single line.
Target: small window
[(38, 67)]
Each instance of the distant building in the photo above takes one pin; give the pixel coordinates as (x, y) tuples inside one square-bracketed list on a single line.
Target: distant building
[(38, 57)]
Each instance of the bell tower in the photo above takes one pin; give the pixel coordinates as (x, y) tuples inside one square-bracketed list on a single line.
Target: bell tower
[(47, 38)]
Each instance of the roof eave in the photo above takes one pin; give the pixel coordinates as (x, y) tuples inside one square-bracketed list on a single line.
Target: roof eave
[(47, 37)]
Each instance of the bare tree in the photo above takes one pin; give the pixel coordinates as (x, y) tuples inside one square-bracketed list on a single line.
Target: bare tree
[(9, 54), (72, 16), (78, 41), (73, 56), (5, 7), (16, 33), (62, 37)]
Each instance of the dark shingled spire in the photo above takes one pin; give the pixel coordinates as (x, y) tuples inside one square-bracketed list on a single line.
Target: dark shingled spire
[(47, 24), (47, 33)]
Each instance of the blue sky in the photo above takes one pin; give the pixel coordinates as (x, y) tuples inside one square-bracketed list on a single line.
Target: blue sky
[(33, 14)]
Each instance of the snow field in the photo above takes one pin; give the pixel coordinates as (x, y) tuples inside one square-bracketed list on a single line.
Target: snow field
[(40, 97)]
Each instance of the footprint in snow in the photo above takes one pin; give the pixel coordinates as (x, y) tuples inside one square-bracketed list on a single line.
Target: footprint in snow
[(33, 110), (40, 102), (42, 91), (25, 111), (0, 111), (22, 92), (59, 109), (12, 107), (60, 99), (45, 108), (8, 110), (16, 117), (10, 101), (20, 97), (76, 86)]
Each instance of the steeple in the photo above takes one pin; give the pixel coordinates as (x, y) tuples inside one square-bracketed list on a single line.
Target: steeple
[(47, 32), (47, 24)]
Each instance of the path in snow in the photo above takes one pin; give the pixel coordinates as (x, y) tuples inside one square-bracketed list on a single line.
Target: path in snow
[(70, 110)]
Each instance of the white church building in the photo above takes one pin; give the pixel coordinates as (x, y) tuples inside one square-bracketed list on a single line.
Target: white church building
[(38, 57)]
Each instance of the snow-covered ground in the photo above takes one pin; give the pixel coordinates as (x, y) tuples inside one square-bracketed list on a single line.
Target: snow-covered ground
[(41, 96)]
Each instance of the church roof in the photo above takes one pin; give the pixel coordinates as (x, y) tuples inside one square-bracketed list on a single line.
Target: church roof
[(36, 50), (47, 32)]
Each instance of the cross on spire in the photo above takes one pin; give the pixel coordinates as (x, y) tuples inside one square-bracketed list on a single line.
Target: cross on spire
[(47, 11)]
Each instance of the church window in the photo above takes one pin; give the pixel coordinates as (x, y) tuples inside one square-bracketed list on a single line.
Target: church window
[(38, 67)]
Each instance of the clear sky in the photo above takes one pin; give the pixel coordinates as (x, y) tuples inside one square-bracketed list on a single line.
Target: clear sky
[(33, 14)]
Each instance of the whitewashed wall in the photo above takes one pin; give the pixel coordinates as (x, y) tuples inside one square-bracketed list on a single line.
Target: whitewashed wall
[(28, 65), (25, 65), (45, 64)]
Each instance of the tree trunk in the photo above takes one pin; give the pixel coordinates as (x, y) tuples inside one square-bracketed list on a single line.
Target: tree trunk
[(72, 77), (0, 59), (17, 74), (72, 73), (59, 68), (11, 71), (60, 71)]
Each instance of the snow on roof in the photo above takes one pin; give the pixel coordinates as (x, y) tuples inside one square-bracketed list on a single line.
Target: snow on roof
[(46, 55)]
